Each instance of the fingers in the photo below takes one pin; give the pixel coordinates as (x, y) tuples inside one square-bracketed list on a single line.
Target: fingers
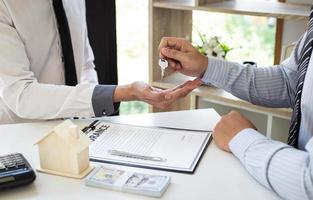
[(175, 65), (151, 95), (174, 54), (154, 95), (174, 51), (171, 42), (163, 98), (183, 90), (179, 93), (195, 83)]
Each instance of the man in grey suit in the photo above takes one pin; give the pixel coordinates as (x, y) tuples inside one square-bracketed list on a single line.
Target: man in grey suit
[(285, 169)]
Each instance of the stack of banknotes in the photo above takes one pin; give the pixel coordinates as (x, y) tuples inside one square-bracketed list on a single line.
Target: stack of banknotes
[(120, 180)]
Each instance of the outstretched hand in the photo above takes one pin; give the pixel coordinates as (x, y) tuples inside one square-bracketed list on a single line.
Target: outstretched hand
[(163, 98), (182, 90)]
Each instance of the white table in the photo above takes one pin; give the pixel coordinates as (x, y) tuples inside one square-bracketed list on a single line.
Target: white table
[(219, 175)]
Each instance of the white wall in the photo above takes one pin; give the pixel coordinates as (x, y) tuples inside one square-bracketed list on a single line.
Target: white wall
[(294, 29), (300, 1)]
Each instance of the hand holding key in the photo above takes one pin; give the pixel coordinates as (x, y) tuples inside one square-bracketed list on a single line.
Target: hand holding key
[(182, 56)]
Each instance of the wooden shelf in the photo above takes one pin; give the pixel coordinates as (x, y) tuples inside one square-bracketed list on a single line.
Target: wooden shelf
[(243, 7), (175, 4), (220, 96), (174, 18)]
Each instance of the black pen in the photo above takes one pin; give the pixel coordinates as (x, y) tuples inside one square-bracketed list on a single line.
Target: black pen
[(91, 126)]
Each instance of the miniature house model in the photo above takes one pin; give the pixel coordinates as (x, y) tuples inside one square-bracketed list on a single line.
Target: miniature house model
[(64, 151)]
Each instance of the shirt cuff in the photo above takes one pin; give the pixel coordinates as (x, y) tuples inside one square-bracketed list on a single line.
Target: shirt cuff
[(216, 72), (102, 100), (242, 141)]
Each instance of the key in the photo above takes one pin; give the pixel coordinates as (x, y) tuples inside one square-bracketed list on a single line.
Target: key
[(163, 64)]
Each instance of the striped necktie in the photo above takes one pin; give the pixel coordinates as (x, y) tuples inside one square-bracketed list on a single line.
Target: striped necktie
[(66, 42), (302, 69)]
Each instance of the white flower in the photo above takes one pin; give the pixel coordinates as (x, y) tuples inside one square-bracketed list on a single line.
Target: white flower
[(206, 46), (213, 42), (221, 55), (209, 52), (213, 48), (218, 49)]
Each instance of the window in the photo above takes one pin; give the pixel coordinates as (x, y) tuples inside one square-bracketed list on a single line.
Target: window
[(132, 48), (253, 38)]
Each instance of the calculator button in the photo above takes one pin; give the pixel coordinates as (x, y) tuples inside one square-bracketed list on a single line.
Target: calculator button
[(20, 162), (21, 165), (2, 166), (10, 165)]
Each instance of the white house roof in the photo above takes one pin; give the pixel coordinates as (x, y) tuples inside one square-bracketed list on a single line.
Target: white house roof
[(62, 130)]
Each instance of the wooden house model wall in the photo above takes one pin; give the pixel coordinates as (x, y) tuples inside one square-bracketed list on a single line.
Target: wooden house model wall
[(64, 151)]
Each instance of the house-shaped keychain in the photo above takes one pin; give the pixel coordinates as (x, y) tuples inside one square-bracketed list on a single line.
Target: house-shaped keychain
[(64, 151)]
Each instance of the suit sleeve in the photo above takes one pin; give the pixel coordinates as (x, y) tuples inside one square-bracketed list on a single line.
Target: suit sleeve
[(285, 170), (23, 94), (102, 96), (267, 86)]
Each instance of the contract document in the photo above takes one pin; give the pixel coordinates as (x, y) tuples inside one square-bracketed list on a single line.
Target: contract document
[(148, 147)]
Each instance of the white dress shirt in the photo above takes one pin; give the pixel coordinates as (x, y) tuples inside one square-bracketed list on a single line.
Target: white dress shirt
[(281, 168), (31, 68)]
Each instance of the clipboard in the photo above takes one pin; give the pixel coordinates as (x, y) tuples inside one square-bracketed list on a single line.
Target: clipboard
[(168, 143)]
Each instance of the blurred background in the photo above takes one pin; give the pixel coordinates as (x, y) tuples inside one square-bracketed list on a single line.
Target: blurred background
[(253, 38)]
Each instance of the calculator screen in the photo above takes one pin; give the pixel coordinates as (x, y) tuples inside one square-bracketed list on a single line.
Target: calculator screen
[(7, 179)]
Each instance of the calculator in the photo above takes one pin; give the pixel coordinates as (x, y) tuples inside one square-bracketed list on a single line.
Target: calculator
[(15, 171)]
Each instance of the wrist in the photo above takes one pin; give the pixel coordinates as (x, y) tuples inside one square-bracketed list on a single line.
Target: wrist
[(203, 66), (239, 144), (124, 93)]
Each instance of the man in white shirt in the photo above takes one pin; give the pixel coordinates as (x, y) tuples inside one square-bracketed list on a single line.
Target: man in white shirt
[(287, 170), (33, 64)]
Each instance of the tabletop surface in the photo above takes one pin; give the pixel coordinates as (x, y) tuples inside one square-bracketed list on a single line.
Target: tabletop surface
[(219, 175)]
